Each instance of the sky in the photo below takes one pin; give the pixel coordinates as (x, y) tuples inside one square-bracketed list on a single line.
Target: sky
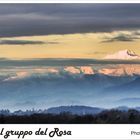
[(34, 31)]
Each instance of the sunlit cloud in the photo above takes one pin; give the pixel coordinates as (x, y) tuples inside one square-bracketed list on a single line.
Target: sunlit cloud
[(121, 36)]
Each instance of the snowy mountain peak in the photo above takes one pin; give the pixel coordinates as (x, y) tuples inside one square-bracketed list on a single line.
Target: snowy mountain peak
[(123, 54), (131, 53)]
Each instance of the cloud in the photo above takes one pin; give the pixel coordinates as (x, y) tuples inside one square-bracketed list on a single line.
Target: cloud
[(136, 32), (58, 62), (3, 59), (23, 42), (122, 37), (44, 19), (19, 42)]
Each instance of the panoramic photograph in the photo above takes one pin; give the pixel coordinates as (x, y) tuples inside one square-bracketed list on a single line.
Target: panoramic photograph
[(70, 63)]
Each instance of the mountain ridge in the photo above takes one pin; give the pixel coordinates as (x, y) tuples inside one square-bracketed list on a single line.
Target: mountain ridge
[(123, 55), (73, 109)]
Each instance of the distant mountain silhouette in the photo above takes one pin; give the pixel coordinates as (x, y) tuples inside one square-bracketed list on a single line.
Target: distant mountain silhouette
[(122, 108), (85, 110), (79, 110), (69, 110)]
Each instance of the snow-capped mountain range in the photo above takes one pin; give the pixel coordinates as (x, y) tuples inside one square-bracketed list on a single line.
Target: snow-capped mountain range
[(75, 71), (54, 71), (78, 71), (123, 55)]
